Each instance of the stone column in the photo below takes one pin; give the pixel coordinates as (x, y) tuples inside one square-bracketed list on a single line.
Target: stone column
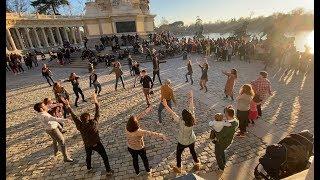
[(13, 45), (80, 38), (44, 37), (73, 35), (66, 34), (37, 37), (100, 27), (86, 30), (59, 36), (20, 39), (52, 37), (27, 31)]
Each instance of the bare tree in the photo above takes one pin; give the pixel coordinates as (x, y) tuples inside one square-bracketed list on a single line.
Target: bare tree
[(18, 5)]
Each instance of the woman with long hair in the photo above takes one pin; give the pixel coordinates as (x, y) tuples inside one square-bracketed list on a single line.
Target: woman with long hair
[(74, 79), (232, 76), (244, 99), (135, 140), (62, 96), (186, 135), (204, 76)]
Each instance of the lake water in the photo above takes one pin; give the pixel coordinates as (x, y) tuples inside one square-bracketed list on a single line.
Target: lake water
[(301, 38)]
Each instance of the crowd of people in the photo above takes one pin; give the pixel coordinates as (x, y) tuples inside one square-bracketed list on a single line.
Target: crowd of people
[(232, 122)]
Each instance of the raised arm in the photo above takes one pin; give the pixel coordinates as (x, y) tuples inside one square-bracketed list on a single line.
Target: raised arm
[(173, 114), (145, 112), (225, 73), (73, 115), (153, 134), (191, 102)]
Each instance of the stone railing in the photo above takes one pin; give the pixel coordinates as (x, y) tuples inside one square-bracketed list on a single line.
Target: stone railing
[(39, 16)]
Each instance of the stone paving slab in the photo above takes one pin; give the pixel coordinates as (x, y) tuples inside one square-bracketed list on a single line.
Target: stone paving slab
[(29, 152)]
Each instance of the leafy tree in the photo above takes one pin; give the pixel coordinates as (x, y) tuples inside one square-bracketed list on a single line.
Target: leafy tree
[(49, 6)]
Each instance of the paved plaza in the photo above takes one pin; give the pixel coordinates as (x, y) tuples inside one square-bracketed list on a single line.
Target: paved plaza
[(29, 152)]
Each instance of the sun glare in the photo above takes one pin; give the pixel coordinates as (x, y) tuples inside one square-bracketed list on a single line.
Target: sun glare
[(310, 41)]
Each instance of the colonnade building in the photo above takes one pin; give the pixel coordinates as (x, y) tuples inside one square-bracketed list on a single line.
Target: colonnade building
[(25, 32)]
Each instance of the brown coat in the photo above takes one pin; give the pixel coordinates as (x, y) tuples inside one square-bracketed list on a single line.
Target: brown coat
[(228, 90)]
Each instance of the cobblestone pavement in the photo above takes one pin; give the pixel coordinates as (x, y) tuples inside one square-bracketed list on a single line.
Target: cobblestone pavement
[(29, 152)]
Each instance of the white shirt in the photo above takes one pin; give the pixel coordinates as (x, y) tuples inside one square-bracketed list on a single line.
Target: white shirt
[(49, 122), (218, 125)]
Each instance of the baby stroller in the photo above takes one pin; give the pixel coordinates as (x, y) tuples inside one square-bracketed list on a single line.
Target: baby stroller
[(290, 156)]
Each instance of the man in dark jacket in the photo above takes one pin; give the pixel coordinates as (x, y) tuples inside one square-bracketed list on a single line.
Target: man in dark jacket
[(90, 134), (225, 137), (156, 69)]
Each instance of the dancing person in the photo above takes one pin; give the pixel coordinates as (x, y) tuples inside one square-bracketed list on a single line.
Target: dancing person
[(232, 76), (130, 63), (189, 67), (204, 76), (147, 84), (88, 128), (93, 80), (74, 79), (244, 99), (217, 124), (136, 70), (55, 109), (156, 69), (118, 72), (50, 124), (166, 93), (46, 73), (225, 137), (61, 95), (262, 87), (135, 141), (186, 136)]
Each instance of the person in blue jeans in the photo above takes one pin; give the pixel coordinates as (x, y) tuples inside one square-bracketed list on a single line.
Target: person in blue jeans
[(166, 92)]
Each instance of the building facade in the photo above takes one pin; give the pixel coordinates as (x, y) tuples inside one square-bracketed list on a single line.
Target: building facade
[(25, 32)]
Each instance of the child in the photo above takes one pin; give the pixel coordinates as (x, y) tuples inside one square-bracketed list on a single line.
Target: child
[(217, 125), (253, 112)]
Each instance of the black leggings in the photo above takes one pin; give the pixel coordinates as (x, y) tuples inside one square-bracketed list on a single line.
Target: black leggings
[(154, 76), (77, 91), (180, 149), (117, 79), (143, 154), (259, 110), (243, 120), (100, 149), (48, 78)]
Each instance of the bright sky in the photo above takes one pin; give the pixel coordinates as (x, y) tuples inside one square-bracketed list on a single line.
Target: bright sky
[(212, 10)]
